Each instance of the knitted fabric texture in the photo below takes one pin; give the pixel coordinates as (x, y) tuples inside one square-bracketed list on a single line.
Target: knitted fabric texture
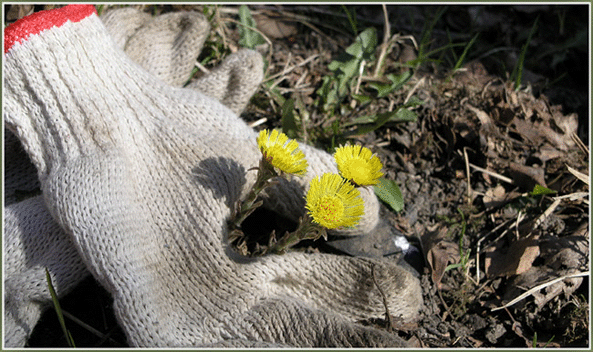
[(168, 45), (142, 177), (28, 226)]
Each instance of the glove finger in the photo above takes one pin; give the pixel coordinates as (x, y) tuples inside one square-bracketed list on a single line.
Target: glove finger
[(33, 242), (168, 45), (234, 81), (122, 23)]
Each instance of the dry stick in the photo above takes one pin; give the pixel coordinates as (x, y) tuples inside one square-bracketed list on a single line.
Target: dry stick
[(539, 287), (357, 88), (386, 34), (285, 70), (413, 90), (469, 185), (201, 67), (517, 221), (493, 174), (306, 61), (579, 142), (555, 204), (257, 122), (581, 176)]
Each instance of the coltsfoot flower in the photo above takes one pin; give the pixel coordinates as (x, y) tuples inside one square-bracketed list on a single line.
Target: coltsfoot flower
[(281, 152), (333, 202), (358, 165)]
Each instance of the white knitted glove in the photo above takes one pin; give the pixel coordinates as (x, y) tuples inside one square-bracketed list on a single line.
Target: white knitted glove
[(30, 234), (168, 45), (165, 45), (142, 177)]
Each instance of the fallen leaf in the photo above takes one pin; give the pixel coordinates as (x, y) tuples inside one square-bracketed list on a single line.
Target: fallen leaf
[(274, 28), (439, 252), (527, 177), (514, 260), (494, 196)]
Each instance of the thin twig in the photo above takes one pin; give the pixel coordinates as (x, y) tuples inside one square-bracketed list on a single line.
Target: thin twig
[(288, 70), (201, 67), (579, 143), (257, 122), (469, 185), (413, 90), (357, 87), (493, 174), (479, 244), (539, 287), (555, 204)]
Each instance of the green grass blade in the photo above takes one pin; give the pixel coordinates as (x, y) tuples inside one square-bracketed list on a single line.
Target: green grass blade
[(517, 75), (465, 51), (427, 32), (351, 20), (54, 298)]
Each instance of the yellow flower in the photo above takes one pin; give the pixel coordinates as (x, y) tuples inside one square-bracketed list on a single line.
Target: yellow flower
[(282, 152), (333, 202), (358, 164)]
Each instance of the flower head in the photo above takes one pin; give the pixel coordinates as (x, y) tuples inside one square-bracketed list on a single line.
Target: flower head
[(358, 164), (282, 152), (332, 202)]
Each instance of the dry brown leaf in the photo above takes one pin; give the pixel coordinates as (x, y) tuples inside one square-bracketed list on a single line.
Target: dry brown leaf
[(494, 196), (527, 177), (274, 28), (566, 286), (439, 252), (561, 256), (537, 133), (515, 260), (547, 152)]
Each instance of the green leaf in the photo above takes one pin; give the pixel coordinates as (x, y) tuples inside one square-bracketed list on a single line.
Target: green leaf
[(249, 38), (289, 124), (397, 82), (361, 98), (388, 192), (541, 191), (347, 63), (375, 121)]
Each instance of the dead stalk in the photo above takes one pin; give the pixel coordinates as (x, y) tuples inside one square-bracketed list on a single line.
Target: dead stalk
[(385, 44), (493, 174), (469, 185), (539, 287)]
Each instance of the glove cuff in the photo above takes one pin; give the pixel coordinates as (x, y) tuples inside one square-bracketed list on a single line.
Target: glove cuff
[(38, 22)]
